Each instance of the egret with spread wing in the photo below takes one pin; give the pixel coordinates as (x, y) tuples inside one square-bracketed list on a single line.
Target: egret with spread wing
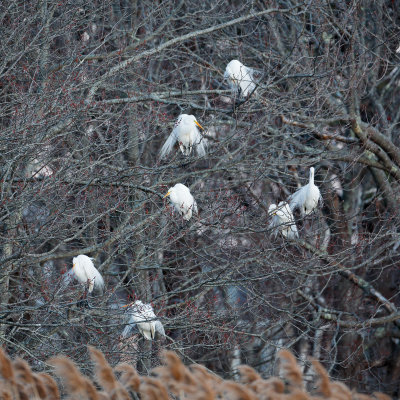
[(182, 200), (186, 133)]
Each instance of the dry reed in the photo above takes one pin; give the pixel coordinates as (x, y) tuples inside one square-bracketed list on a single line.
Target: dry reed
[(77, 385), (106, 378), (172, 380), (51, 386), (129, 377)]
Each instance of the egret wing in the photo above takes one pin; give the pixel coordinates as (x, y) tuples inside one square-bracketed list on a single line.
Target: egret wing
[(129, 326), (136, 317), (144, 317), (195, 210), (201, 145), (169, 144), (275, 221), (292, 232), (147, 329), (95, 276), (247, 84), (159, 328), (296, 200)]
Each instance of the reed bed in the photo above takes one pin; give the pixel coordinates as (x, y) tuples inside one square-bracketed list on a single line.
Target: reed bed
[(171, 380)]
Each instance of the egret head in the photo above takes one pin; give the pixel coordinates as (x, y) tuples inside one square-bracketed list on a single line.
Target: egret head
[(81, 261), (136, 303), (272, 210)]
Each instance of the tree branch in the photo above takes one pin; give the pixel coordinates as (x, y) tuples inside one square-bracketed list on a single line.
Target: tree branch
[(180, 39), (365, 286)]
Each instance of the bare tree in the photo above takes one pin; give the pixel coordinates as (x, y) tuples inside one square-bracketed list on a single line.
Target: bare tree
[(91, 91)]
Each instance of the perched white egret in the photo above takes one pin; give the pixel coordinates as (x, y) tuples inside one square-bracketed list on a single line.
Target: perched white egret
[(182, 200), (240, 78), (86, 273), (142, 315), (282, 217), (187, 134), (307, 197), (38, 169)]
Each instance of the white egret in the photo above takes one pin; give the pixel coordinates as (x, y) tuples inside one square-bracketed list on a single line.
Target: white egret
[(86, 273), (187, 134), (38, 169), (142, 315), (240, 78), (307, 197), (282, 217), (182, 200)]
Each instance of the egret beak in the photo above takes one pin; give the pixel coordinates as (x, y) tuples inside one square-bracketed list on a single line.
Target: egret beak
[(199, 125), (167, 195), (127, 305)]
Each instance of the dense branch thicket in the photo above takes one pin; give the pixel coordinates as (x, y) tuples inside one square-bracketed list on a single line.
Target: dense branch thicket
[(89, 93)]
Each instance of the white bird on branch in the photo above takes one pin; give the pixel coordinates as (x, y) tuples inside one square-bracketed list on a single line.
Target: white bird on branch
[(240, 78), (307, 197), (282, 217), (186, 133), (182, 200), (142, 315), (86, 273)]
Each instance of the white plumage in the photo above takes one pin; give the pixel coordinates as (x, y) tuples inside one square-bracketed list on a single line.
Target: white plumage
[(143, 316), (307, 197), (86, 272), (282, 217), (187, 134), (182, 200), (38, 169), (240, 78), (337, 185)]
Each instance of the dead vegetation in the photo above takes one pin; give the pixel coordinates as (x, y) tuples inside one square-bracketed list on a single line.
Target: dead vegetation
[(172, 380)]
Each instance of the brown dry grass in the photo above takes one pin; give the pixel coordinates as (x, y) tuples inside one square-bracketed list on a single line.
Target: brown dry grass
[(172, 380)]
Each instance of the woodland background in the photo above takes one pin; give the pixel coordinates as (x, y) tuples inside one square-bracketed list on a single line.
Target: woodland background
[(90, 91)]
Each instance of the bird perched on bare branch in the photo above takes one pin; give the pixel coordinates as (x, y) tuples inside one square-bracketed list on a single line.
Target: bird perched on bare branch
[(186, 133), (307, 197), (283, 219), (142, 315), (182, 200), (240, 78), (86, 273)]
